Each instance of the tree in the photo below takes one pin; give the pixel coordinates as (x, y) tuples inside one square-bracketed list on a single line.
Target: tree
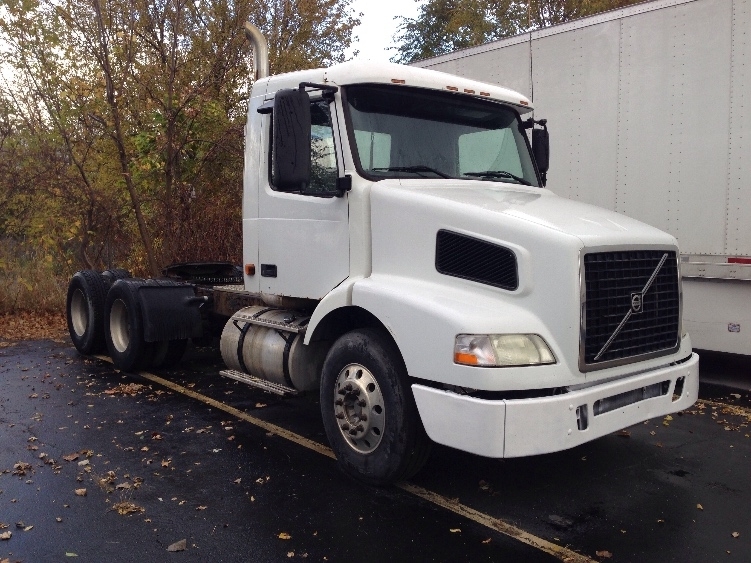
[(443, 26), (133, 114)]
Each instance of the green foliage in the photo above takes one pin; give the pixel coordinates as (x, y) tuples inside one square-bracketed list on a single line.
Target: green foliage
[(444, 26)]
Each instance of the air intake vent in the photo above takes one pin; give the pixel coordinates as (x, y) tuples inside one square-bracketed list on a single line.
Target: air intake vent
[(632, 306), (477, 260)]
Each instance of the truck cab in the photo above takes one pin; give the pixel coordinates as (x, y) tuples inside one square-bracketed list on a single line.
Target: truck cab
[(521, 322)]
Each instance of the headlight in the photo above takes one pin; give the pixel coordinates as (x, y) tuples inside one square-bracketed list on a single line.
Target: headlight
[(499, 350)]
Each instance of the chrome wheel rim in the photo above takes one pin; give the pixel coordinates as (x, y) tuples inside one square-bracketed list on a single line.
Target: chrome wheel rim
[(119, 329), (79, 313), (359, 408)]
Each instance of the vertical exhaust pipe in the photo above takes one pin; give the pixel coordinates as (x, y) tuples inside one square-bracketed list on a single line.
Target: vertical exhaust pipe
[(260, 51)]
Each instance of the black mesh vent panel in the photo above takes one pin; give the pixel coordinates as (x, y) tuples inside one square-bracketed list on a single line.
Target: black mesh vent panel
[(473, 259), (612, 280)]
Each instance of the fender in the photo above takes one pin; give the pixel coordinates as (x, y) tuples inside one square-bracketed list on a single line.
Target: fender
[(170, 310), (340, 296), (424, 319)]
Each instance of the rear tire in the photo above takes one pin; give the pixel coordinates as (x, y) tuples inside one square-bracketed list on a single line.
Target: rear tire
[(369, 413), (124, 330), (112, 275), (85, 311), (169, 353)]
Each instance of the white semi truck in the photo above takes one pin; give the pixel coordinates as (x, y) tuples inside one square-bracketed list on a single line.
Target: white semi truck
[(402, 258), (652, 105)]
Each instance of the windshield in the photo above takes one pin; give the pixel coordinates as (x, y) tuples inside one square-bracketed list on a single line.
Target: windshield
[(402, 132)]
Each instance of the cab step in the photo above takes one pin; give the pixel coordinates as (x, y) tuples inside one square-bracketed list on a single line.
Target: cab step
[(268, 386)]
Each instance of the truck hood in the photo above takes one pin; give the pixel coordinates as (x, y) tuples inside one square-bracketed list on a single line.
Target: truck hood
[(594, 226)]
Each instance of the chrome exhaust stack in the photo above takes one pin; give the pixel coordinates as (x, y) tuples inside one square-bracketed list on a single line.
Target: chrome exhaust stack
[(260, 51)]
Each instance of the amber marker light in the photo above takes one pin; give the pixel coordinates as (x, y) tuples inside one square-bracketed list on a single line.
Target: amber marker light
[(398, 81), (485, 93), (452, 88), (522, 102), (250, 269)]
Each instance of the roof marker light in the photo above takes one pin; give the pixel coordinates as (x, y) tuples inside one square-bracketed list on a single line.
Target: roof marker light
[(452, 88), (485, 93), (467, 91), (524, 102), (398, 81)]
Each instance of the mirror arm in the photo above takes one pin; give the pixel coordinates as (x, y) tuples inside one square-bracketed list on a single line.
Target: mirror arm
[(531, 122)]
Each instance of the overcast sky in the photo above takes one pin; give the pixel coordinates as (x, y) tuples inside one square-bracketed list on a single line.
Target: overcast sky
[(378, 26)]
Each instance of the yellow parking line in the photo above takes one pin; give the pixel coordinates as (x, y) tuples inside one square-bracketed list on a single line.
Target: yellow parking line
[(560, 552)]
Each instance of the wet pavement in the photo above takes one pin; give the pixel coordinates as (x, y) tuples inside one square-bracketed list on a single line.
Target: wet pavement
[(159, 466)]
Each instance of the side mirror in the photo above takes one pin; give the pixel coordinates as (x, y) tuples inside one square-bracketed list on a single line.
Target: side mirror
[(291, 142), (541, 150)]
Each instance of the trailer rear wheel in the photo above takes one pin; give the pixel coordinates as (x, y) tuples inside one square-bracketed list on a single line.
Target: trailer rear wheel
[(85, 311), (124, 330), (369, 413)]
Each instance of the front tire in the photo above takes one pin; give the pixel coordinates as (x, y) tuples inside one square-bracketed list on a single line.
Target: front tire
[(369, 413), (124, 329), (84, 310)]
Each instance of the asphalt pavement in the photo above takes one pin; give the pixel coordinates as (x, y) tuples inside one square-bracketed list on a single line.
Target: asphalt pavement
[(96, 465)]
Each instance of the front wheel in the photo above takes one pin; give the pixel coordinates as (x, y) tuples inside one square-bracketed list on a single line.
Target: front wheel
[(369, 414)]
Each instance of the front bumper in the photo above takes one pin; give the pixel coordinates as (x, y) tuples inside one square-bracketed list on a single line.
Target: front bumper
[(523, 427)]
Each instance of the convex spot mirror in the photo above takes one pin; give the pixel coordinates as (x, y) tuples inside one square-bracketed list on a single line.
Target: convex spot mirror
[(291, 142)]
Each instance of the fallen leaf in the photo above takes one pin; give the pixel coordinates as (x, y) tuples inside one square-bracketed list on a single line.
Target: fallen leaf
[(487, 540), (624, 434), (166, 462), (69, 554), (6, 535), (237, 481), (700, 507), (83, 463), (80, 492), (455, 530), (201, 507), (260, 405), (290, 554), (71, 457), (735, 534), (605, 554), (178, 545), (122, 486), (125, 508), (58, 519), (28, 528), (284, 536)]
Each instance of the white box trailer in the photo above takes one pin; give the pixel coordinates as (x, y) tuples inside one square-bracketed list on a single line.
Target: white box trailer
[(649, 109)]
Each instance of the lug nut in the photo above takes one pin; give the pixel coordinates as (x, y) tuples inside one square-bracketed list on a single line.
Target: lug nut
[(359, 428), (340, 402), (353, 432), (340, 415), (342, 392), (348, 387), (345, 426), (361, 403), (363, 417)]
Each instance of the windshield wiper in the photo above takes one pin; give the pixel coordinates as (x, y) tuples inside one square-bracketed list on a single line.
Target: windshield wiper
[(499, 174), (416, 169)]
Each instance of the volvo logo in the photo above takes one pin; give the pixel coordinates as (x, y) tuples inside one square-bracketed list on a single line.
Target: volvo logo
[(637, 300)]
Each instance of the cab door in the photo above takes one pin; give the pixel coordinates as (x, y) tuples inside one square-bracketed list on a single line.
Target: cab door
[(303, 239)]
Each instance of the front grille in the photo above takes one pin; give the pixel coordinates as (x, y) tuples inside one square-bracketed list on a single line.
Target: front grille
[(612, 279), (477, 260)]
